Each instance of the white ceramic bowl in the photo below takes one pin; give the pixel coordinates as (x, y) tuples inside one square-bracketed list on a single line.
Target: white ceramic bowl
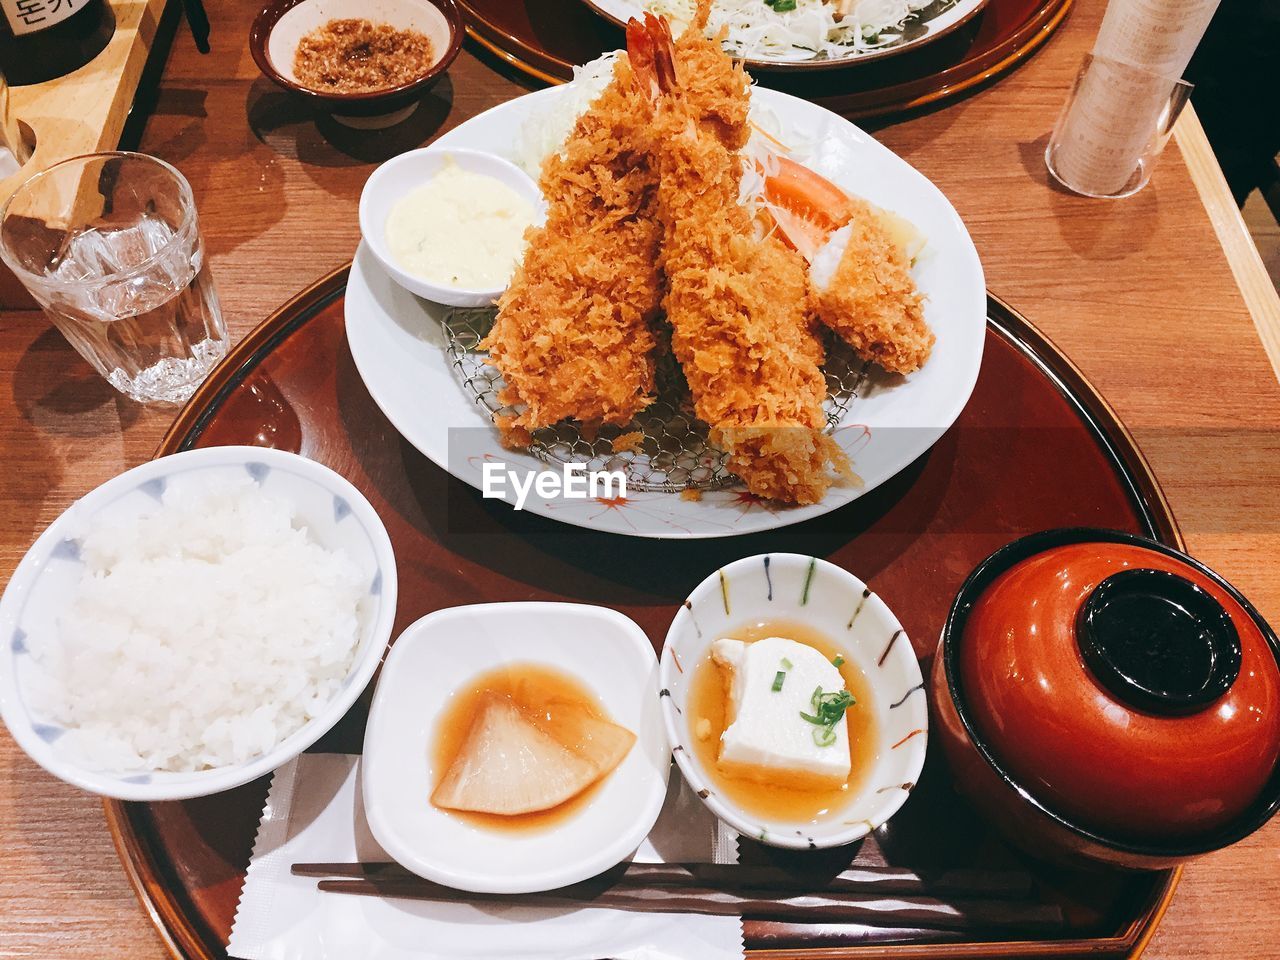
[(839, 606), (439, 656), (398, 176), (336, 514)]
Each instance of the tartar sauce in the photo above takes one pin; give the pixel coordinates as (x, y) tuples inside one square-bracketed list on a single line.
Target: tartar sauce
[(460, 229)]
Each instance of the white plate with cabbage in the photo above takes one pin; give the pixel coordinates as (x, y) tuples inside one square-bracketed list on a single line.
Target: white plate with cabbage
[(408, 362), (808, 34)]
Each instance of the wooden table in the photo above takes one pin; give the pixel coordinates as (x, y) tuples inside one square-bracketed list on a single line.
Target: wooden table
[(1145, 294)]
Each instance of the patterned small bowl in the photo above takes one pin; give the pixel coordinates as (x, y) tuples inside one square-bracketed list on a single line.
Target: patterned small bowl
[(336, 515), (837, 605)]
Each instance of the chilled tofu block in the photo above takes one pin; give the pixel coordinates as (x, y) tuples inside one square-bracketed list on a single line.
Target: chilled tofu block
[(769, 737)]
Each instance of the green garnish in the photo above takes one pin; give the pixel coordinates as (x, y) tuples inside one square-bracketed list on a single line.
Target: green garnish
[(838, 661), (828, 709), (781, 6), (787, 664), (778, 678)]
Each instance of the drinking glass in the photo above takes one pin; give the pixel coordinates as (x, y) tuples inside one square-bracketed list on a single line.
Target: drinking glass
[(1113, 127), (109, 245)]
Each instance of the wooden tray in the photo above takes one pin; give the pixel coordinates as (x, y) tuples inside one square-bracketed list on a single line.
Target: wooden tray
[(1035, 448), (547, 38)]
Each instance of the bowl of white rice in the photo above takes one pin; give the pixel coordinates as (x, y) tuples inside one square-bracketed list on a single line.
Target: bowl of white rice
[(194, 623)]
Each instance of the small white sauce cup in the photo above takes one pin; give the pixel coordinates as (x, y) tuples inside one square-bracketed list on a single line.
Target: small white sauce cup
[(395, 179)]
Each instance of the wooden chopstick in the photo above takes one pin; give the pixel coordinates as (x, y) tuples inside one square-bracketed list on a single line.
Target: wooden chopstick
[(989, 884), (918, 911)]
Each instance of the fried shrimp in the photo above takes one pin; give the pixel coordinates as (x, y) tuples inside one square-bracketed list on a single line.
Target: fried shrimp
[(573, 337), (860, 273), (870, 301), (737, 306)]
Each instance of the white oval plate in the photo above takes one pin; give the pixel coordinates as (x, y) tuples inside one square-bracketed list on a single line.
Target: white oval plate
[(934, 21), (399, 349)]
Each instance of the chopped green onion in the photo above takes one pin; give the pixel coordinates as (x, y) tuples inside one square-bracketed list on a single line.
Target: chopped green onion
[(787, 664), (782, 6), (778, 678), (824, 736), (838, 661), (828, 709)]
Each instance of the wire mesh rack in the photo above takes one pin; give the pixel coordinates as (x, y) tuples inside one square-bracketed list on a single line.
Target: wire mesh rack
[(666, 448)]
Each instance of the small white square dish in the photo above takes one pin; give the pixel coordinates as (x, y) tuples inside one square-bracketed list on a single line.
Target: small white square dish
[(440, 657)]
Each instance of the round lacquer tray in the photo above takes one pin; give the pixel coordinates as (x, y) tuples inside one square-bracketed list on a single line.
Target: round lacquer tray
[(547, 38), (1035, 448)]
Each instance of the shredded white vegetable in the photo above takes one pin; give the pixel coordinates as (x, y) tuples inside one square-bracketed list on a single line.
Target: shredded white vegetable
[(546, 130), (757, 31)]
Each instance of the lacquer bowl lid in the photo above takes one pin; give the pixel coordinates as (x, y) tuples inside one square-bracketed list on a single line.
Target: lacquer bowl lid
[(1127, 688)]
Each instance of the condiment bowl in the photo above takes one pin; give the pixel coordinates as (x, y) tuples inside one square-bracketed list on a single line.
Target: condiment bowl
[(1106, 699), (834, 603), (437, 658), (281, 25), (336, 515), (393, 180)]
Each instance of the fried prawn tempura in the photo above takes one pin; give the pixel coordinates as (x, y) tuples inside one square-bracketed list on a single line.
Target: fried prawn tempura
[(737, 306), (573, 337), (861, 273), (872, 302)]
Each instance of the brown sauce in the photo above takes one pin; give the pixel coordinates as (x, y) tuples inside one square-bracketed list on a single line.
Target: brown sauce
[(538, 692), (359, 56), (708, 700)]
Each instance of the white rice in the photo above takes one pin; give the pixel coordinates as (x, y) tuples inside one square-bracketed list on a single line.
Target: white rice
[(200, 635)]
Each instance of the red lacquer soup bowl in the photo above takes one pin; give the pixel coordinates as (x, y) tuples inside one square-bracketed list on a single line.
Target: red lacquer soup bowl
[(1105, 698)]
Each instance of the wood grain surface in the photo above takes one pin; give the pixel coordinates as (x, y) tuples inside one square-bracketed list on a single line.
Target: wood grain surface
[(1138, 292), (85, 111)]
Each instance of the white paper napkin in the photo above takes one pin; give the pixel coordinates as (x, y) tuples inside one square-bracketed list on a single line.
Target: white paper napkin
[(314, 814)]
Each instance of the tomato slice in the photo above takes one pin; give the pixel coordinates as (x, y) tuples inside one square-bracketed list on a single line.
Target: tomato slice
[(807, 207)]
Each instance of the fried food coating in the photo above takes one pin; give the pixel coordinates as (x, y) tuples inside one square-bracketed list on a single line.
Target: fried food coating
[(738, 306), (872, 302), (573, 337)]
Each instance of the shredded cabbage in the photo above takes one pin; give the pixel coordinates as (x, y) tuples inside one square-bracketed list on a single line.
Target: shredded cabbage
[(756, 31), (545, 130)]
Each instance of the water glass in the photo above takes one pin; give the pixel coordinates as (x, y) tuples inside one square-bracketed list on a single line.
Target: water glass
[(1113, 127), (109, 245)]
